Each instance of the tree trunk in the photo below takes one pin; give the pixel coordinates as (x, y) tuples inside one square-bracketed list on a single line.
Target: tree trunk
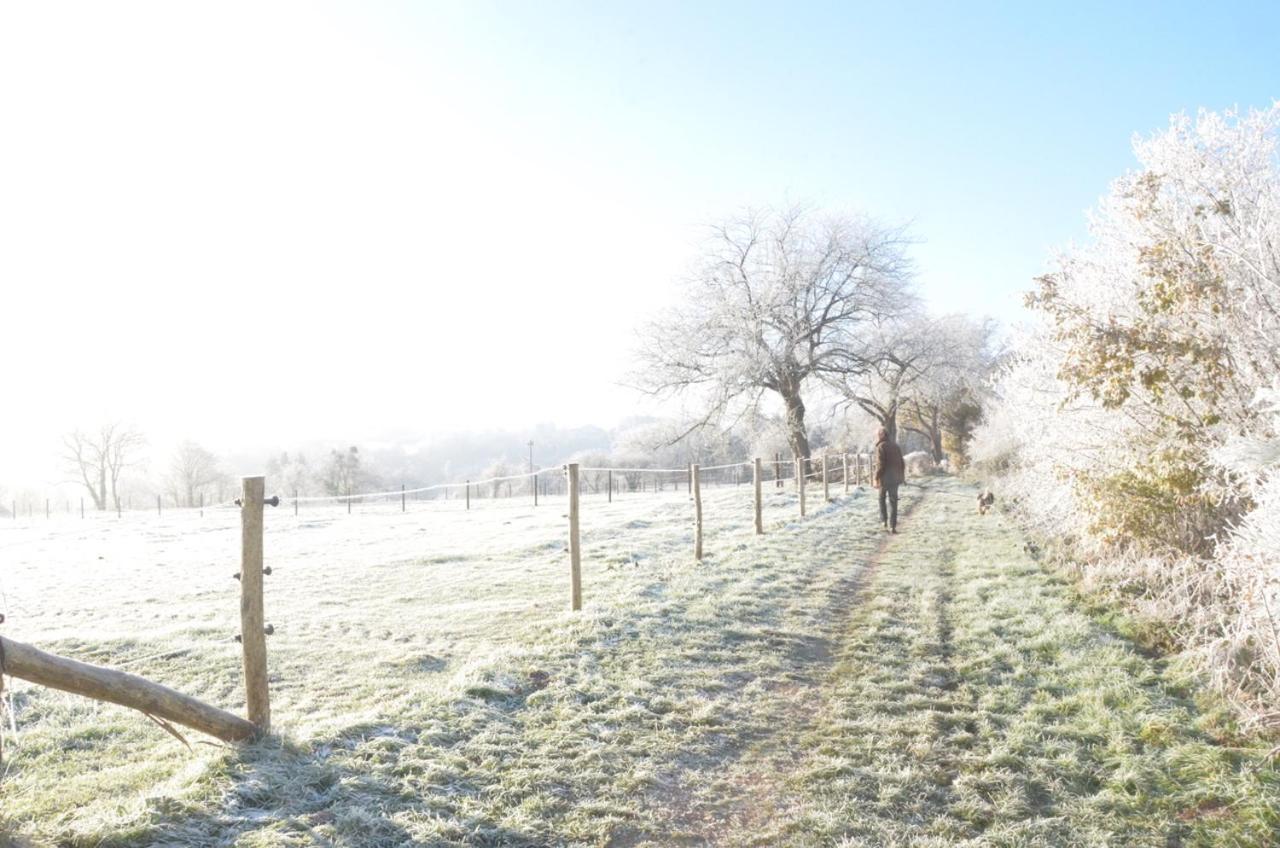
[(889, 421), (796, 435)]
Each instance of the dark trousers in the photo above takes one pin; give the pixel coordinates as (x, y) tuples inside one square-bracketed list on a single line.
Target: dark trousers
[(889, 513)]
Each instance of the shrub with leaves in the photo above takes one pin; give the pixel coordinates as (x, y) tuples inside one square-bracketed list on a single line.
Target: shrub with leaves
[(1132, 419)]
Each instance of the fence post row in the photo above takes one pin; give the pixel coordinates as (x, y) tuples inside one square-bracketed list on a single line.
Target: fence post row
[(696, 486), (253, 634), (756, 474), (575, 553)]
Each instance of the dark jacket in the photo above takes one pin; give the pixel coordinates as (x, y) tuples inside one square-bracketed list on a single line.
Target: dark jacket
[(890, 469)]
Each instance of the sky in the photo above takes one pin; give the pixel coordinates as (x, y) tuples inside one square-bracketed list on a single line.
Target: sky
[(272, 222)]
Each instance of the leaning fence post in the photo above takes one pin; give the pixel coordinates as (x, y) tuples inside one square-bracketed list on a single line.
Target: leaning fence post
[(695, 483), (575, 553), (800, 483), (252, 628), (756, 471)]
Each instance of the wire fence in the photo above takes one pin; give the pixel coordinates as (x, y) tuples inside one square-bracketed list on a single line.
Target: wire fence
[(538, 483), (571, 481)]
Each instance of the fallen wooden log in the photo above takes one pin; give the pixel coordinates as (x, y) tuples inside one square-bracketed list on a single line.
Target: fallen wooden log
[(118, 687)]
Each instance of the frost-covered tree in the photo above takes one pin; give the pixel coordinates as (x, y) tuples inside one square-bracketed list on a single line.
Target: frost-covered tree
[(290, 473), (779, 300), (193, 471), (342, 474), (917, 366), (97, 459)]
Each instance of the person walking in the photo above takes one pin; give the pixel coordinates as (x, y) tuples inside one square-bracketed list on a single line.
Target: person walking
[(890, 473)]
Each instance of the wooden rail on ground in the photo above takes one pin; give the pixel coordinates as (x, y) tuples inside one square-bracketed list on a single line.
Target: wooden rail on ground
[(127, 690)]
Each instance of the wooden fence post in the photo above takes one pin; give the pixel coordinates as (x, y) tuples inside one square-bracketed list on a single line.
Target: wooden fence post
[(696, 485), (402, 497), (534, 480), (157, 504), (575, 552), (202, 504), (845, 475), (82, 507), (253, 635), (800, 483), (295, 502), (468, 494), (826, 486), (610, 485), (348, 500), (46, 507), (756, 471)]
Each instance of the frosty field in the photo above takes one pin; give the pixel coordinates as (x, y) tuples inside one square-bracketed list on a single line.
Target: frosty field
[(825, 684)]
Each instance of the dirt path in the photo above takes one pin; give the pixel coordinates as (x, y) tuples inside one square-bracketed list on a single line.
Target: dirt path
[(750, 794)]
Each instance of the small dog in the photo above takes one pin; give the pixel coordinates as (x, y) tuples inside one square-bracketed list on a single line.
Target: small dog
[(985, 500)]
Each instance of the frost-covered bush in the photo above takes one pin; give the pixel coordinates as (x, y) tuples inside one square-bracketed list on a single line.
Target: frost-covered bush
[(919, 463), (1137, 418)]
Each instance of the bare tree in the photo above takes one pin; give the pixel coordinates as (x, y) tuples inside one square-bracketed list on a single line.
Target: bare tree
[(193, 470), (98, 458), (781, 298), (917, 367), (947, 398)]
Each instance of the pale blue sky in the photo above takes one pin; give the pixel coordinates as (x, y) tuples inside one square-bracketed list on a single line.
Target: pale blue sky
[(991, 126), (431, 216)]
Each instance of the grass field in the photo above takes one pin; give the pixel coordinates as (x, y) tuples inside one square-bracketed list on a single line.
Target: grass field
[(826, 684)]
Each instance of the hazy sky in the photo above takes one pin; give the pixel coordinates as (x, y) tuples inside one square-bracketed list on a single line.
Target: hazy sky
[(283, 222)]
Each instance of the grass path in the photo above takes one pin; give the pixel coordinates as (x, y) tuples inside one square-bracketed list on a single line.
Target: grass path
[(826, 684), (974, 704)]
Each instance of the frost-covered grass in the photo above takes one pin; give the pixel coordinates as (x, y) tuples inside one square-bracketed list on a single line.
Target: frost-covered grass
[(974, 704), (822, 683)]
